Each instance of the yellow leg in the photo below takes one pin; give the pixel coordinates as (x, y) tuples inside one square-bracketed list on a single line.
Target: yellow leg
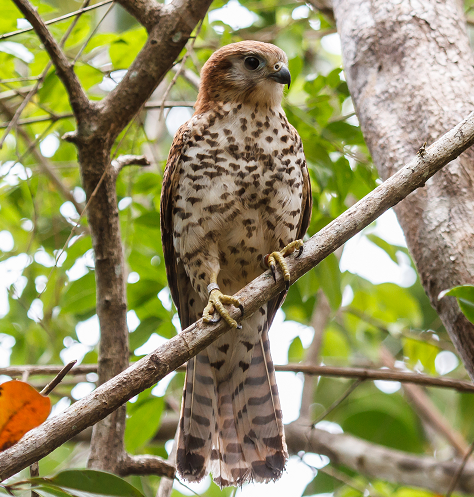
[(270, 260), (216, 304)]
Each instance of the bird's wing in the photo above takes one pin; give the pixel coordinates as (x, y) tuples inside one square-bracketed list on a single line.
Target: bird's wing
[(303, 223), (178, 281)]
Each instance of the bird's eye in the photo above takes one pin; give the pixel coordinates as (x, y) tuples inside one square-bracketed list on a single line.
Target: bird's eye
[(251, 63)]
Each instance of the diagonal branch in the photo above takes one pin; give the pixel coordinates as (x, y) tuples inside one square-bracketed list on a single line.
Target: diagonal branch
[(78, 98), (152, 368)]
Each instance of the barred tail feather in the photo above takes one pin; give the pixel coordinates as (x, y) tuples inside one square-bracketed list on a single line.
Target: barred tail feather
[(231, 421), (197, 424)]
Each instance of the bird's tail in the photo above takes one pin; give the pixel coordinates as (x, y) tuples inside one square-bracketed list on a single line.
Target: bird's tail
[(233, 427)]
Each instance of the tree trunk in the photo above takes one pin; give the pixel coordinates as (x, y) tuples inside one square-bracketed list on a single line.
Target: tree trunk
[(409, 69)]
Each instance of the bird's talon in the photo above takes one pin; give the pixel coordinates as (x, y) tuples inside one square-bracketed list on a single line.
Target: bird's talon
[(300, 251), (273, 270), (215, 305)]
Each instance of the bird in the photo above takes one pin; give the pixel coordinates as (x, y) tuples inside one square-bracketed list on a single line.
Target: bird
[(236, 200)]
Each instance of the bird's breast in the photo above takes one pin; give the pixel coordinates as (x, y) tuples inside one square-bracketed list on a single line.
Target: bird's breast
[(240, 188)]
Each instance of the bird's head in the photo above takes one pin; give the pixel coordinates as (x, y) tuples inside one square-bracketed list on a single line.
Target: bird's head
[(244, 72)]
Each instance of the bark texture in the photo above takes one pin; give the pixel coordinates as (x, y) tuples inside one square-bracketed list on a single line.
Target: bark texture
[(409, 69)]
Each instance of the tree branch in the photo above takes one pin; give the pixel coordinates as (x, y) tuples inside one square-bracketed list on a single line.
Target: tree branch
[(145, 465), (310, 370), (79, 101), (152, 368), (379, 462)]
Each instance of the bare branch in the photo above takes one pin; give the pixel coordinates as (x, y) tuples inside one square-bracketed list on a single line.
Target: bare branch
[(337, 372), (64, 69), (52, 384), (51, 21), (460, 470), (428, 411), (145, 465), (129, 160), (379, 462)]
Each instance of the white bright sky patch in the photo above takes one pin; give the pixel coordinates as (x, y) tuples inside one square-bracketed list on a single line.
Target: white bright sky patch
[(60, 406), (362, 257), (6, 241), (35, 312), (6, 344), (23, 24), (446, 362), (165, 297), (192, 488), (43, 258), (49, 145), (132, 321), (301, 12), (151, 344), (329, 426), (388, 386), (73, 351), (293, 481), (88, 332), (68, 211), (124, 203), (40, 282), (176, 117), (133, 277), (79, 194), (82, 389), (316, 460), (81, 266), (162, 385), (332, 44), (233, 14), (109, 83), (18, 50), (27, 224), (12, 173)]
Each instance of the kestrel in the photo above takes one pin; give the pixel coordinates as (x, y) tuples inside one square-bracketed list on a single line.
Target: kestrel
[(236, 199)]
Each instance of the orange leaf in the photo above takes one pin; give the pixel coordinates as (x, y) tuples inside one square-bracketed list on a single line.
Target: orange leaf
[(22, 408)]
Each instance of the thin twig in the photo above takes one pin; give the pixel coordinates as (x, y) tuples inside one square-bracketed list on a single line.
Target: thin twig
[(181, 67), (51, 21), (338, 372), (52, 384), (339, 401), (93, 32), (456, 477), (64, 69)]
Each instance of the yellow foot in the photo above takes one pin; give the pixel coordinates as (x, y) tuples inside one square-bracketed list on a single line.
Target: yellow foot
[(278, 257), (215, 304)]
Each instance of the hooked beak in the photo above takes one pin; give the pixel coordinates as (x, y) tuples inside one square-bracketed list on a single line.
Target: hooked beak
[(283, 76)]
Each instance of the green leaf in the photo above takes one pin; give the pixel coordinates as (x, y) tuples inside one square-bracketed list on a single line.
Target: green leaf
[(143, 422), (465, 297), (96, 482), (322, 483), (79, 298), (296, 350), (388, 248), (329, 277)]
